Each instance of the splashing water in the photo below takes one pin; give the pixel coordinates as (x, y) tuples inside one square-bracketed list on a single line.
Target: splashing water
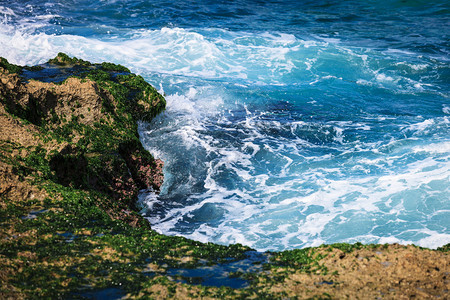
[(287, 125)]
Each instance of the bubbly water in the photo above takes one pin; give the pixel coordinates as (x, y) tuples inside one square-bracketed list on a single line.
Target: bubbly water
[(289, 123)]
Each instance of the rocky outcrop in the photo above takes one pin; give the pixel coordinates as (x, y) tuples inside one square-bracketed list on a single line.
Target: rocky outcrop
[(41, 101), (85, 126)]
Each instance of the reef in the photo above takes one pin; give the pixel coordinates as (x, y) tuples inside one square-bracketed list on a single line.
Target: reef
[(71, 167)]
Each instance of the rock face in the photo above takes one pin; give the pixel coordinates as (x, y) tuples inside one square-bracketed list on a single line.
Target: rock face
[(85, 126), (40, 100)]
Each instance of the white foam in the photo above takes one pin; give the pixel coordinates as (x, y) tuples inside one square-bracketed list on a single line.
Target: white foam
[(363, 82), (446, 109), (339, 135), (294, 186), (434, 240), (384, 77), (280, 38), (371, 190), (6, 11), (309, 63), (47, 17), (435, 148), (415, 67), (398, 51), (180, 103)]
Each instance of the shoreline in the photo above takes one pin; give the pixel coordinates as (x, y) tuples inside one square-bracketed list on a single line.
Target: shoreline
[(70, 171)]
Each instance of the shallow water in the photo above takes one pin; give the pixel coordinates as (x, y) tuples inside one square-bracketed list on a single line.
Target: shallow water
[(288, 124)]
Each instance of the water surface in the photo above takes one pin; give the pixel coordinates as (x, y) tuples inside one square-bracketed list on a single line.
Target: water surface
[(289, 124)]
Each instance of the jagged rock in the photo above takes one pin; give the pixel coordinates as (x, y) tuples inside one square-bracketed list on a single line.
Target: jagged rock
[(84, 126)]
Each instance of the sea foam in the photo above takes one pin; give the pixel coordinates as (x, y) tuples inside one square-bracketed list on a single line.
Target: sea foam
[(275, 139)]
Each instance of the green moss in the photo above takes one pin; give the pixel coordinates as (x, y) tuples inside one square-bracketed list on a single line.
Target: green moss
[(36, 160), (10, 67), (445, 248), (306, 260), (115, 68), (99, 75), (63, 59), (346, 247), (142, 94), (34, 68)]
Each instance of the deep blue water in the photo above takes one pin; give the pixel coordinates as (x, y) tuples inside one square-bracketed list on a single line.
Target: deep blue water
[(289, 123)]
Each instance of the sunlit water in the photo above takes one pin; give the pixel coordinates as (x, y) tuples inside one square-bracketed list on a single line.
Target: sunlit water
[(288, 124)]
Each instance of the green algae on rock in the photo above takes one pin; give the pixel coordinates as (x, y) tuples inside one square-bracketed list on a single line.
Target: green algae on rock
[(79, 115), (71, 165)]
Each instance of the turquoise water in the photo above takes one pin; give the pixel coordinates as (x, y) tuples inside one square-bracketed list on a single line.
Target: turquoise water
[(289, 123)]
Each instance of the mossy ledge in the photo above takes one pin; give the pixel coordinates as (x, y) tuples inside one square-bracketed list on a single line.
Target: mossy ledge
[(71, 165)]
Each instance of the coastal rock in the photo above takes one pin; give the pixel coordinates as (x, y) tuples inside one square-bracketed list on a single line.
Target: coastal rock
[(371, 271), (42, 101), (92, 141), (145, 170)]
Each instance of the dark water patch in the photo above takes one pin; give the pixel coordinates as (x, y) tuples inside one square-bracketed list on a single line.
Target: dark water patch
[(229, 274), (53, 73), (68, 236), (33, 214), (58, 73)]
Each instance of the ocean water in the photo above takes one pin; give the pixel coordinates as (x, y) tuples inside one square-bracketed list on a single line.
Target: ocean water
[(289, 123)]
